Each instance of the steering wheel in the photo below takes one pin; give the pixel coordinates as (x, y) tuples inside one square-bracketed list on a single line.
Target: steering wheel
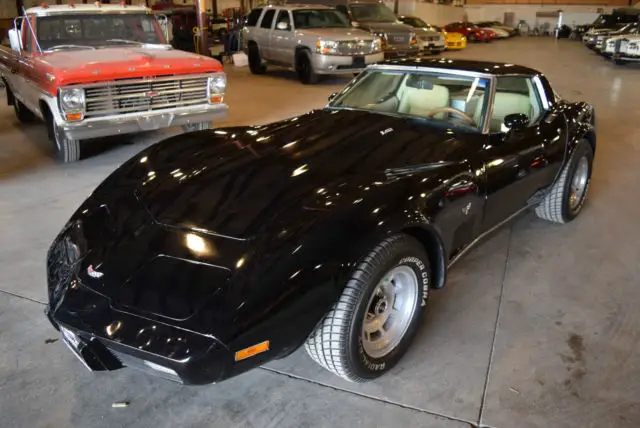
[(451, 110)]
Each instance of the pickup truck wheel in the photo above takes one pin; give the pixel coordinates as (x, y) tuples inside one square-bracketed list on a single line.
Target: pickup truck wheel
[(567, 196), (255, 60), (374, 321), (192, 127), (66, 150), (23, 114), (306, 74)]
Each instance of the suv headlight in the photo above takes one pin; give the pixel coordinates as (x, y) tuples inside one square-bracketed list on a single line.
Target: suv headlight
[(72, 103), (376, 45), (327, 47), (216, 86)]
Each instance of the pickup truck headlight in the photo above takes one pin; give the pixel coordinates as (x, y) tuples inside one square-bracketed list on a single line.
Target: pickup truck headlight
[(216, 85), (72, 103), (327, 47)]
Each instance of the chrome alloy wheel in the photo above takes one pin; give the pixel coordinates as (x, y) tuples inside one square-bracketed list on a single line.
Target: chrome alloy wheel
[(390, 311), (579, 183)]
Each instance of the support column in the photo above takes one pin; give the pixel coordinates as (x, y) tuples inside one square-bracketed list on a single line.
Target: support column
[(203, 23)]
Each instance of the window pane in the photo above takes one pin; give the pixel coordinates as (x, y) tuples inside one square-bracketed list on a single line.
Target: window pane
[(267, 19), (252, 19)]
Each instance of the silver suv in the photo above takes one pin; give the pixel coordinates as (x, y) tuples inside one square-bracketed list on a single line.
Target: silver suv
[(311, 39)]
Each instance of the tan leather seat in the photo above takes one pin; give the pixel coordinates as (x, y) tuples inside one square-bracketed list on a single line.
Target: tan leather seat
[(418, 102), (505, 103)]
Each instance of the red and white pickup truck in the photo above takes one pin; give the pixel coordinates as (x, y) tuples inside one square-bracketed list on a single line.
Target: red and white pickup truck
[(98, 70)]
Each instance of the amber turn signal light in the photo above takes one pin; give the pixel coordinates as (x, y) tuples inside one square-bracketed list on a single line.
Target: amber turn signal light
[(74, 116), (252, 351), (215, 99)]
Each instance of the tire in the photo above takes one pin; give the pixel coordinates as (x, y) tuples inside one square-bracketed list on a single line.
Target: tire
[(66, 150), (192, 127), (23, 114), (565, 200), (618, 61), (255, 60), (306, 74), (471, 37), (338, 342)]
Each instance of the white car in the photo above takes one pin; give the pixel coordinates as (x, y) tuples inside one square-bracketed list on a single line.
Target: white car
[(500, 33), (628, 52)]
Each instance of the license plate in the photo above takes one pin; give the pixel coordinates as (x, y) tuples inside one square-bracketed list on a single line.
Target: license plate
[(358, 62), (152, 123), (73, 342)]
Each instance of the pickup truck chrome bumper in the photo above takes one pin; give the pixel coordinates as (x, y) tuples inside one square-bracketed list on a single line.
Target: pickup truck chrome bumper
[(131, 123), (335, 64)]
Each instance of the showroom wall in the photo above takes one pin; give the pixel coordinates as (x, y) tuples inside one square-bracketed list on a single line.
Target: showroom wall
[(432, 13), (495, 12)]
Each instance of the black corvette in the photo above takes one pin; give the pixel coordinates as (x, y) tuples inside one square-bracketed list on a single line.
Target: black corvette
[(213, 252)]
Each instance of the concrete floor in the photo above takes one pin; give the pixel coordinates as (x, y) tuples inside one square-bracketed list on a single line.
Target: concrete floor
[(538, 327)]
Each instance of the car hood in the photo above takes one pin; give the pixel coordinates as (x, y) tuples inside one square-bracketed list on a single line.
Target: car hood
[(426, 32), (385, 27), (88, 65), (336, 33)]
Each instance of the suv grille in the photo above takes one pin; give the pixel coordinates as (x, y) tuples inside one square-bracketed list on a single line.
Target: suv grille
[(362, 47), (133, 96), (398, 39)]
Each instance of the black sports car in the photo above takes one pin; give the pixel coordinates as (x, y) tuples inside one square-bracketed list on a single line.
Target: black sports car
[(213, 252)]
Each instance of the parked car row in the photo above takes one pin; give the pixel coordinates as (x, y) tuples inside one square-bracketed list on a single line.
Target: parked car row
[(620, 43), (319, 37)]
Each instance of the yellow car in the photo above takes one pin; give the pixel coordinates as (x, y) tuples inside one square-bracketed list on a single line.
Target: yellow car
[(455, 41)]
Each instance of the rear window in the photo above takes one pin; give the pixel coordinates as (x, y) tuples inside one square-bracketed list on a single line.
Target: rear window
[(252, 19), (267, 19)]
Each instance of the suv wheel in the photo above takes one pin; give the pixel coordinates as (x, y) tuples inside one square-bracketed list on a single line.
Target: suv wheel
[(255, 61), (306, 74)]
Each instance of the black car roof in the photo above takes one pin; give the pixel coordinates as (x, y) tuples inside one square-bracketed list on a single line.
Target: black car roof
[(496, 68)]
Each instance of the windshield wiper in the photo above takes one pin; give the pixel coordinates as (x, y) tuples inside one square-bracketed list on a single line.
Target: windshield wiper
[(131, 42), (58, 47)]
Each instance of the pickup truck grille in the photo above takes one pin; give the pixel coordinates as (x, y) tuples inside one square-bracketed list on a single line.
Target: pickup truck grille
[(135, 96), (398, 38), (362, 47)]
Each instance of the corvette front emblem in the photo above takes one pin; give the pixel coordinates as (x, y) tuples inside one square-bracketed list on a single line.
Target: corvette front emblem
[(94, 273)]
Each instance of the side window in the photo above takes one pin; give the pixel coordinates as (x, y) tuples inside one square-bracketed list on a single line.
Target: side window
[(283, 18), (342, 8), (515, 95), (267, 19), (28, 38), (252, 19)]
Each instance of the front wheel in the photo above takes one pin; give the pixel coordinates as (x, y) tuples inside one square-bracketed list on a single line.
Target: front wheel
[(306, 73), (255, 60), (568, 195), (375, 319), (472, 37), (66, 149)]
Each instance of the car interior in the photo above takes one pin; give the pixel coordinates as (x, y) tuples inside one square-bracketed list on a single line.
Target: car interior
[(459, 100)]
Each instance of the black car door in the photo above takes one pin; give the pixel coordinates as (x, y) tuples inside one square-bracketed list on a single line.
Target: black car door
[(519, 163)]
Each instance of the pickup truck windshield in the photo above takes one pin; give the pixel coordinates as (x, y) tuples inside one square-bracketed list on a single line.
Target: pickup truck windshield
[(88, 30), (372, 13), (458, 100), (319, 18)]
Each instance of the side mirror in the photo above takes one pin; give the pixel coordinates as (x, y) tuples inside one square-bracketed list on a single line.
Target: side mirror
[(515, 122), (283, 26), (332, 96), (14, 39)]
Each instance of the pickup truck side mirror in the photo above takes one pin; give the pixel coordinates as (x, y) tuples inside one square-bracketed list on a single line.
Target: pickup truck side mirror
[(14, 39)]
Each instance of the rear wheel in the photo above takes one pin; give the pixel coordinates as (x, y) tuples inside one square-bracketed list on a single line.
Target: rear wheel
[(568, 195), (374, 321), (23, 114), (255, 60), (304, 67), (66, 149)]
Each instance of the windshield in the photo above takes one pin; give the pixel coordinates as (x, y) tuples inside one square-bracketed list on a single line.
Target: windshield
[(372, 13), (458, 100), (414, 22), (319, 18), (97, 30)]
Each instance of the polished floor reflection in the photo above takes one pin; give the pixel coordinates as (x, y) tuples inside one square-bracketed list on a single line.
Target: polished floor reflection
[(538, 327)]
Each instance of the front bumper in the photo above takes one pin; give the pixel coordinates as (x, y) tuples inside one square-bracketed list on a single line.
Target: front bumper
[(396, 51), (131, 123), (335, 64), (117, 339), (456, 45), (435, 46)]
